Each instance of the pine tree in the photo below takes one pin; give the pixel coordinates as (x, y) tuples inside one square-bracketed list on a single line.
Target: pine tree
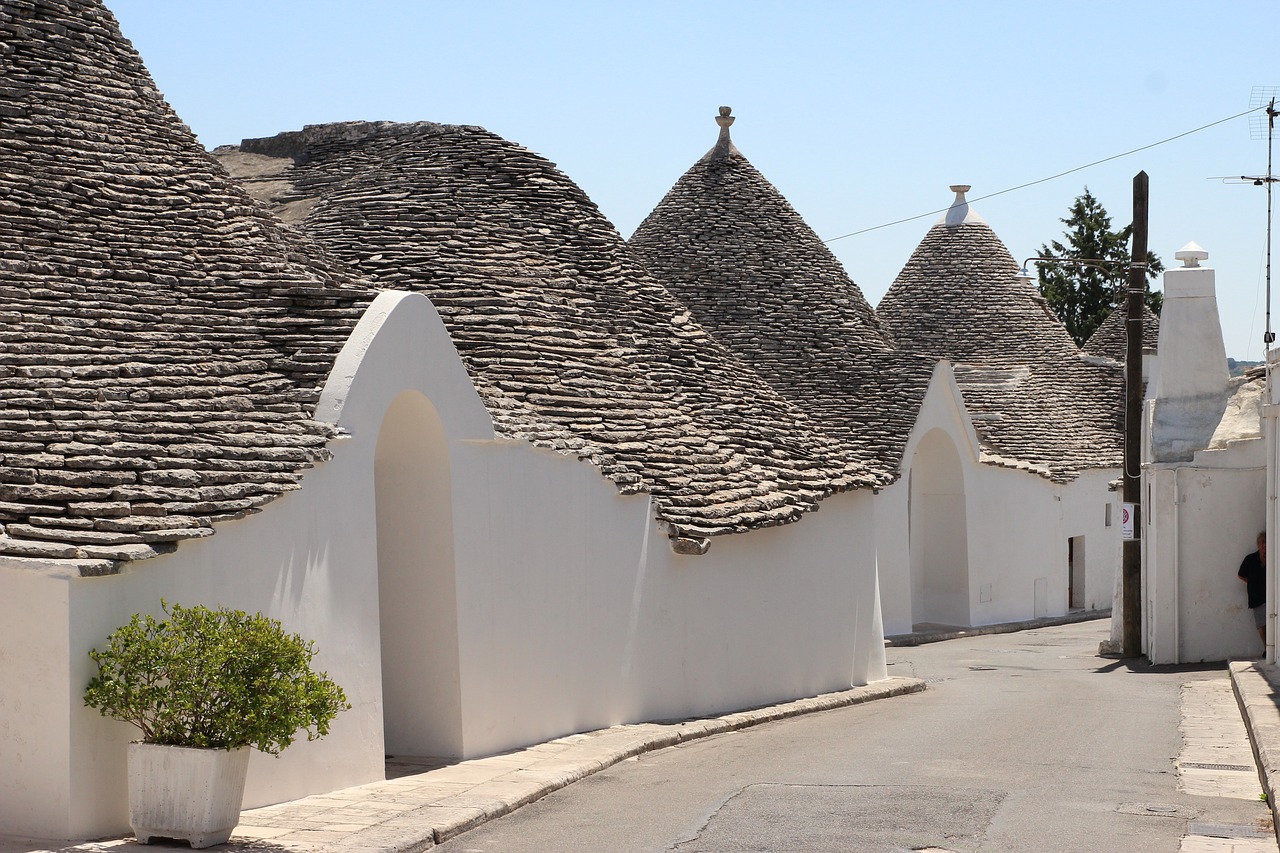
[(1083, 295)]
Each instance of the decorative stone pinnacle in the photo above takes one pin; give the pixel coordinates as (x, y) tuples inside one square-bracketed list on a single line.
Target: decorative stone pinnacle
[(723, 144), (960, 190)]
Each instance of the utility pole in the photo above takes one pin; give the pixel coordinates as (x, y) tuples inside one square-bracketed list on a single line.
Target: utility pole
[(1132, 563)]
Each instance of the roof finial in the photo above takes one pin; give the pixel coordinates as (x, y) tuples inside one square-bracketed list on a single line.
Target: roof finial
[(723, 144), (958, 213), (1191, 255)]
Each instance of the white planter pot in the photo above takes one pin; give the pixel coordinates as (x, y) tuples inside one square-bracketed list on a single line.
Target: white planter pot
[(184, 793)]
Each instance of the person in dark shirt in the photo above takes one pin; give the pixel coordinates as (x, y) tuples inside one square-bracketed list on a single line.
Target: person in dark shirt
[(1253, 571)]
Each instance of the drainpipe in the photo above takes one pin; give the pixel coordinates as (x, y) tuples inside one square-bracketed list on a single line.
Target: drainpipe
[(1175, 586), (1270, 414)]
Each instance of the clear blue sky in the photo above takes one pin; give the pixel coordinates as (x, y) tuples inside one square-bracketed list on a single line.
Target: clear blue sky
[(860, 113)]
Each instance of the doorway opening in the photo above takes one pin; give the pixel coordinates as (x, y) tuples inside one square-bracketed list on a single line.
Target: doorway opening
[(417, 588), (938, 534), (1075, 573)]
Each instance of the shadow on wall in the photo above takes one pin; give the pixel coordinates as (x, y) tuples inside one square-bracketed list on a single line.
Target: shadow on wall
[(417, 588), (938, 533)]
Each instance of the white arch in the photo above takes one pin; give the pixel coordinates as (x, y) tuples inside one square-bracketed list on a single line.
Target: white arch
[(939, 533), (417, 587)]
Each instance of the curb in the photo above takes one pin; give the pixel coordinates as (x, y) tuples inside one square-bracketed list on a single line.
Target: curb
[(423, 828), (1257, 687), (918, 638)]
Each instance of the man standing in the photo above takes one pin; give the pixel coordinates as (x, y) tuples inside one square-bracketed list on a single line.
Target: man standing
[(1253, 571)]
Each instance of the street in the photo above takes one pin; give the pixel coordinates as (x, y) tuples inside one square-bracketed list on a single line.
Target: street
[(1023, 742)]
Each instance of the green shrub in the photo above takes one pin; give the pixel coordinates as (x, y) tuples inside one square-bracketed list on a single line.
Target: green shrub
[(213, 679)]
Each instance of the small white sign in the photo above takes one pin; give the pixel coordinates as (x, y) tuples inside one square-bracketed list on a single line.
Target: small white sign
[(1126, 521)]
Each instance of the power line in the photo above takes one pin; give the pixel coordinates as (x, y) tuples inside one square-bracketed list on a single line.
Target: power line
[(1050, 178)]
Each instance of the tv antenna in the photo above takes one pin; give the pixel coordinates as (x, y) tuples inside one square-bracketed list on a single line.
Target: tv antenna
[(1263, 127)]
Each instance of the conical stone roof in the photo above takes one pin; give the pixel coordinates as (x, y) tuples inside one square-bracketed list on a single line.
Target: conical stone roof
[(1110, 339), (570, 342), (731, 247), (725, 240), (957, 298), (1034, 401), (165, 339)]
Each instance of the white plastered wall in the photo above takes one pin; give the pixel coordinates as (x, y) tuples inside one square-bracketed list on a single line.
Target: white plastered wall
[(572, 612), (1018, 524), (576, 614), (309, 559), (1202, 520), (1091, 509), (1204, 482), (899, 567)]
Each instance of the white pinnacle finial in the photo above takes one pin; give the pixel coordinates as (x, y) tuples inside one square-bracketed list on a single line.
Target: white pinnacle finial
[(959, 212), (1191, 255)]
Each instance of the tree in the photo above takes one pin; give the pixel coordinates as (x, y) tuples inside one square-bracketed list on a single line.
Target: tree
[(1082, 295)]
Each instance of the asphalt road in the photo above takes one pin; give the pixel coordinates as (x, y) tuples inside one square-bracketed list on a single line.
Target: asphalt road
[(1023, 742)]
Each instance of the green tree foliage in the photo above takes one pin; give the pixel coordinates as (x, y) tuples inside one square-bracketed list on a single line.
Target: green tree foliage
[(217, 679), (1083, 295)]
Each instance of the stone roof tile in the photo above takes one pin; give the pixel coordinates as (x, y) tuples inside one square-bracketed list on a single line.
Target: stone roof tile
[(1032, 397), (164, 338), (755, 275), (1109, 339), (571, 343)]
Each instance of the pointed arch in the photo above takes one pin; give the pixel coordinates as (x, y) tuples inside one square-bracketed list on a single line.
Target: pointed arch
[(938, 533), (417, 586)]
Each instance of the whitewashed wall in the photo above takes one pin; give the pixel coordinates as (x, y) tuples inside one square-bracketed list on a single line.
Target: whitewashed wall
[(1202, 521), (607, 614), (899, 564), (1204, 482), (1017, 525), (544, 602), (308, 559), (1090, 509)]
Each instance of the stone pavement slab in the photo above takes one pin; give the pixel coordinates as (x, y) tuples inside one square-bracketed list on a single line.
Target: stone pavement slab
[(1216, 759), (415, 812), (1257, 689)]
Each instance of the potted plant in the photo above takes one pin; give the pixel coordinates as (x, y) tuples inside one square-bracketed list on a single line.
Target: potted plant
[(203, 686)]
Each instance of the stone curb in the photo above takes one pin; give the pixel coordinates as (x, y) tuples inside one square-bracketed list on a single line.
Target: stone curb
[(425, 812), (1257, 689), (917, 638), (421, 829)]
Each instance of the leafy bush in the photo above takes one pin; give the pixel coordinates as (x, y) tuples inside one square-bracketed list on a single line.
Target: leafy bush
[(214, 679)]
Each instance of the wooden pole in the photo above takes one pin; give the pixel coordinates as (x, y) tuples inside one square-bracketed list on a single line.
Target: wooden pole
[(1131, 586)]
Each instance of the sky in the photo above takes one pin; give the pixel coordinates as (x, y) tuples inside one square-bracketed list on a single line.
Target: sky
[(860, 113)]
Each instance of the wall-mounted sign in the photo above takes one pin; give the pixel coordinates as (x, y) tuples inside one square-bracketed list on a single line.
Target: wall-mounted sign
[(1127, 513)]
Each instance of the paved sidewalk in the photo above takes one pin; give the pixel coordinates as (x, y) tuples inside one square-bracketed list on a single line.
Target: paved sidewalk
[(1257, 690), (416, 812)]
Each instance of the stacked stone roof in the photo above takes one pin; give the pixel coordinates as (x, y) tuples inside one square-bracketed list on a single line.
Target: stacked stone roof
[(165, 337), (1110, 339), (731, 247), (1034, 401), (569, 341)]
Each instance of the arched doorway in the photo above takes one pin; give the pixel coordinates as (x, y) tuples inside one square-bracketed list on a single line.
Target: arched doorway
[(417, 594), (939, 533)]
